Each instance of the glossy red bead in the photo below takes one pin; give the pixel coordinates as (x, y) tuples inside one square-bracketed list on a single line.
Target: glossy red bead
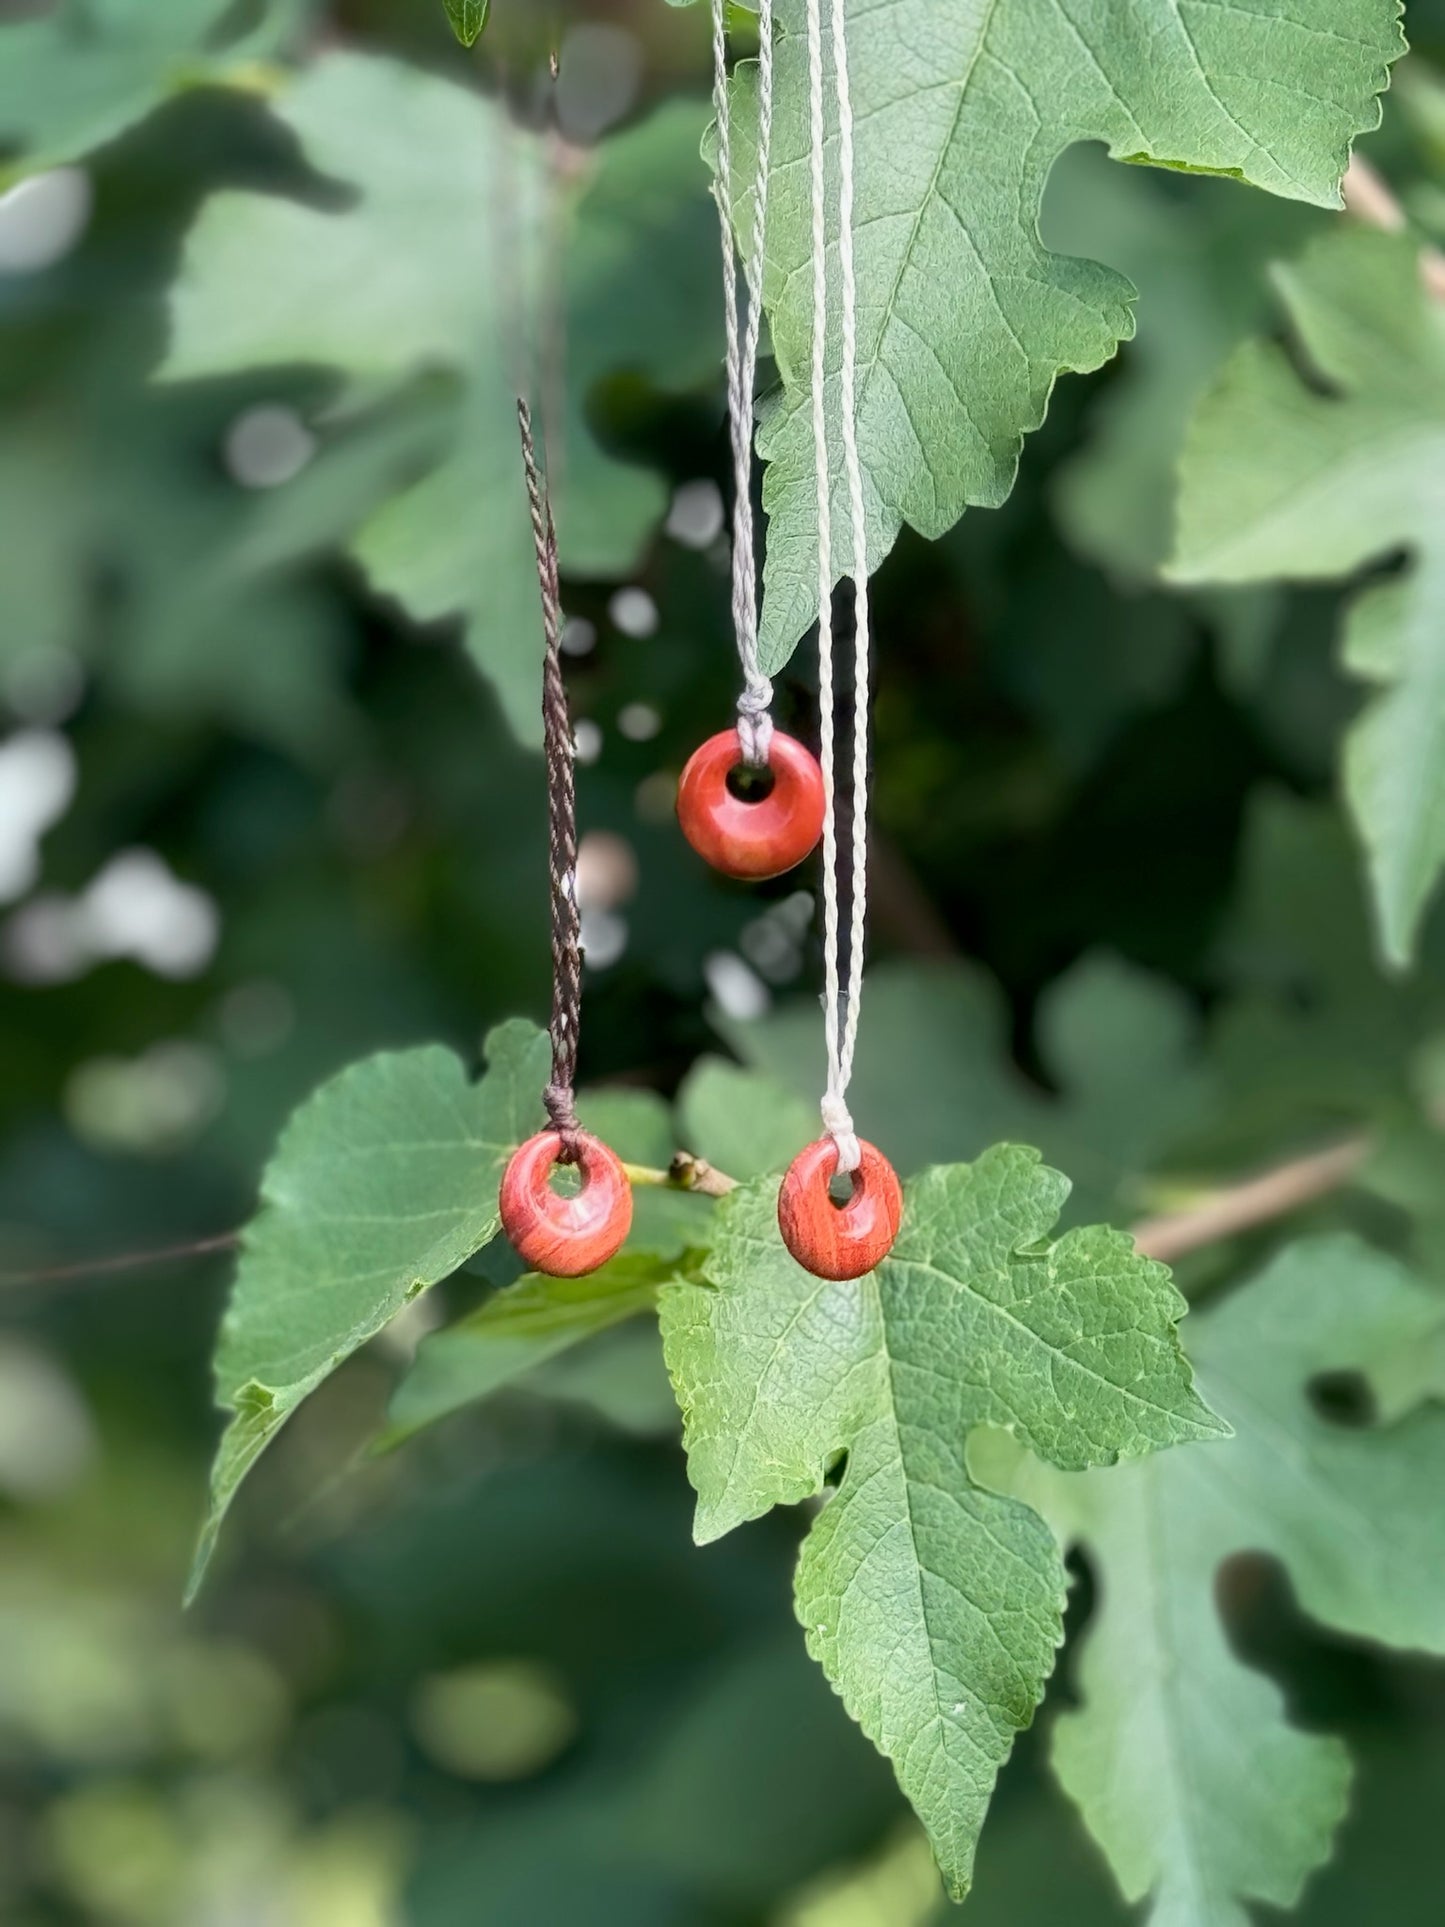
[(839, 1240), (565, 1237), (758, 837)]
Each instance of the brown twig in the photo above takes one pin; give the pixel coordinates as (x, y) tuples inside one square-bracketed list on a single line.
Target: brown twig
[(1369, 198), (1255, 1201), (1172, 1235), (1168, 1237), (127, 1261)]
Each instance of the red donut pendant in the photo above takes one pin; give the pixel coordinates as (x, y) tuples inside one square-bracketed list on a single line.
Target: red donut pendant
[(839, 1240), (565, 1237), (759, 837)]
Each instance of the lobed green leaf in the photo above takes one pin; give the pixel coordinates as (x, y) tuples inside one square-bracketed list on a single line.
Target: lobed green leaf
[(86, 71), (934, 1606), (965, 319), (437, 261), (381, 1185), (1176, 1735), (1280, 481)]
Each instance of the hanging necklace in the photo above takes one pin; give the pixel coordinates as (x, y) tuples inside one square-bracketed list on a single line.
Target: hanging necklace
[(839, 1240), (563, 1236), (750, 800)]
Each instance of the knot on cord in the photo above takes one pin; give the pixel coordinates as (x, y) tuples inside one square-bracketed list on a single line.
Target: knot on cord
[(561, 1109), (838, 1123), (755, 725)]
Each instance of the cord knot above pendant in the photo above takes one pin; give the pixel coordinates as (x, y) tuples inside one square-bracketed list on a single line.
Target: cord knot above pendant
[(838, 1123), (755, 722)]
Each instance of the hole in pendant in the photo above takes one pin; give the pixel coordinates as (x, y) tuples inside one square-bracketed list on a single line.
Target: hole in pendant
[(565, 1180), (843, 1187), (750, 784)]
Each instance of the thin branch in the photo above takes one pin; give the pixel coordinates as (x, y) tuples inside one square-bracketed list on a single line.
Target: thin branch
[(1172, 1235), (1223, 1214), (1368, 198), (127, 1261), (1255, 1201)]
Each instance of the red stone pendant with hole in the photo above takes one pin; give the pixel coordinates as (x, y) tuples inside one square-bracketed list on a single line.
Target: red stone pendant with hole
[(565, 1237), (751, 837), (839, 1240)]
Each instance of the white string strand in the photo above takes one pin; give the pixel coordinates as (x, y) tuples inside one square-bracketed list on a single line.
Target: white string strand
[(755, 724), (840, 1026), (853, 468)]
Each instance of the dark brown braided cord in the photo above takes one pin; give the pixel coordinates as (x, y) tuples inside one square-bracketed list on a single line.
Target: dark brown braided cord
[(561, 808)]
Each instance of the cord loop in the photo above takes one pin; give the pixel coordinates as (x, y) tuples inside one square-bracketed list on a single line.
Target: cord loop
[(755, 723), (838, 1124)]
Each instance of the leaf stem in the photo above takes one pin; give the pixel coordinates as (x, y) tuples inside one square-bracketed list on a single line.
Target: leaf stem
[(685, 1173)]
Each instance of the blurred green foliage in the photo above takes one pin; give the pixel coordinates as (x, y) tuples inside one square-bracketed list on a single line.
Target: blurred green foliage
[(1118, 914)]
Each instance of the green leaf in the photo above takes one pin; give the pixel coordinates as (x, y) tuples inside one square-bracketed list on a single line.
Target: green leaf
[(619, 1376), (692, 1807), (636, 1123), (130, 538), (1198, 253), (233, 564), (131, 549), (1176, 1737), (89, 69), (468, 18), (42, 592), (435, 264), (1281, 482), (899, 1885), (935, 1078), (965, 320), (1314, 1036), (540, 1322), (742, 1122), (514, 1333), (933, 1606), (381, 1184), (638, 1126)]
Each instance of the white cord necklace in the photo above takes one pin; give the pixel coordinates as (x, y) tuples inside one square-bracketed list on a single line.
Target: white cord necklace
[(840, 1026), (755, 723), (833, 1237), (750, 799)]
